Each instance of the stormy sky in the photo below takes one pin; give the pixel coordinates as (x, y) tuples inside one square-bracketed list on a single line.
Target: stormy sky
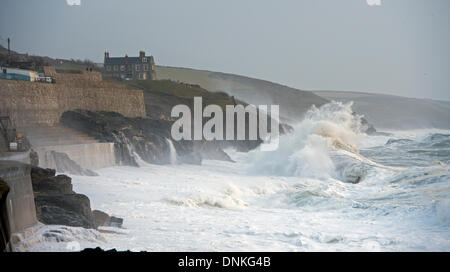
[(399, 47)]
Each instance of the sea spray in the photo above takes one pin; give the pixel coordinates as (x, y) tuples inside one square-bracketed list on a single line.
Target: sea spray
[(130, 152), (172, 152), (306, 151)]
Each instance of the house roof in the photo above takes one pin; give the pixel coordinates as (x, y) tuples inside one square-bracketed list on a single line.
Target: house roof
[(122, 60)]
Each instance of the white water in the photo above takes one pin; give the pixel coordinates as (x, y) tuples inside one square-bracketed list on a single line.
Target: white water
[(172, 152), (298, 198)]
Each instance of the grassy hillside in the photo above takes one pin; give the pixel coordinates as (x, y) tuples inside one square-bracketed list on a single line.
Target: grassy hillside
[(25, 61), (293, 102), (161, 95), (395, 112)]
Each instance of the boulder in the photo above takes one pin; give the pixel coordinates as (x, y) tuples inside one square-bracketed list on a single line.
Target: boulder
[(64, 209), (116, 222), (100, 218)]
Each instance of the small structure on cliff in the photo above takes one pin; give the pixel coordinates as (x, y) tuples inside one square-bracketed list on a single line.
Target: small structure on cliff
[(18, 74), (140, 68)]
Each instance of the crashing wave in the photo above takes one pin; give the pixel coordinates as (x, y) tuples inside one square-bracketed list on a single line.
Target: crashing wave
[(323, 145)]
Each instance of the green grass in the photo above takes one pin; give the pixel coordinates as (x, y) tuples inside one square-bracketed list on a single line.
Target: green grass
[(161, 95)]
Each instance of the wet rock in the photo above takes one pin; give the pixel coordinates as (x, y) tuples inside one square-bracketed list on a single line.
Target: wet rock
[(98, 250), (146, 138), (100, 218), (60, 184), (133, 138), (64, 209), (57, 203), (103, 219), (116, 222)]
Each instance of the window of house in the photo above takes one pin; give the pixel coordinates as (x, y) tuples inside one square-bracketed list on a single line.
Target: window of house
[(144, 59), (116, 68), (137, 67), (108, 67), (145, 66), (122, 67)]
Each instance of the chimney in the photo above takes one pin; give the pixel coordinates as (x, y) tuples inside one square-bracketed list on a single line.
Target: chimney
[(106, 55), (9, 53), (141, 54)]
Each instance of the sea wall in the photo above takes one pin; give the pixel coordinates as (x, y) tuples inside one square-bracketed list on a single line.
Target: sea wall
[(29, 103), (89, 156), (20, 204), (23, 157)]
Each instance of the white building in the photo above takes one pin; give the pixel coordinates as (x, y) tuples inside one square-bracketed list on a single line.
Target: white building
[(18, 74)]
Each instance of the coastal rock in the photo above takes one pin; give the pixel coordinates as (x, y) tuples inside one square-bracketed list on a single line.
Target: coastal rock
[(64, 209), (103, 219), (146, 139), (134, 138), (57, 203), (100, 218), (116, 222), (55, 185)]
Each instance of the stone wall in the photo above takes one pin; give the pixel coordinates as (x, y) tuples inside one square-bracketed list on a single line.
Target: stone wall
[(30, 103)]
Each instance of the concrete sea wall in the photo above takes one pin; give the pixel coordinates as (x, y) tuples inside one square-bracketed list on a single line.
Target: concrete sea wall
[(89, 156), (20, 206)]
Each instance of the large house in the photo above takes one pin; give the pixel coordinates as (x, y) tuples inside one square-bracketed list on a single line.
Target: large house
[(140, 68)]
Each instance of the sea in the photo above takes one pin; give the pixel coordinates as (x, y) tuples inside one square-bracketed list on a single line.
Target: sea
[(328, 187)]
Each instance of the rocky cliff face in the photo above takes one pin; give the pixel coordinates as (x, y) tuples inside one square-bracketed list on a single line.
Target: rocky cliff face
[(58, 204), (144, 139), (134, 138)]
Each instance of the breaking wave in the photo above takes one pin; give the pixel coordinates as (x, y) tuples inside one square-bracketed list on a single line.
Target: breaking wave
[(324, 145)]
